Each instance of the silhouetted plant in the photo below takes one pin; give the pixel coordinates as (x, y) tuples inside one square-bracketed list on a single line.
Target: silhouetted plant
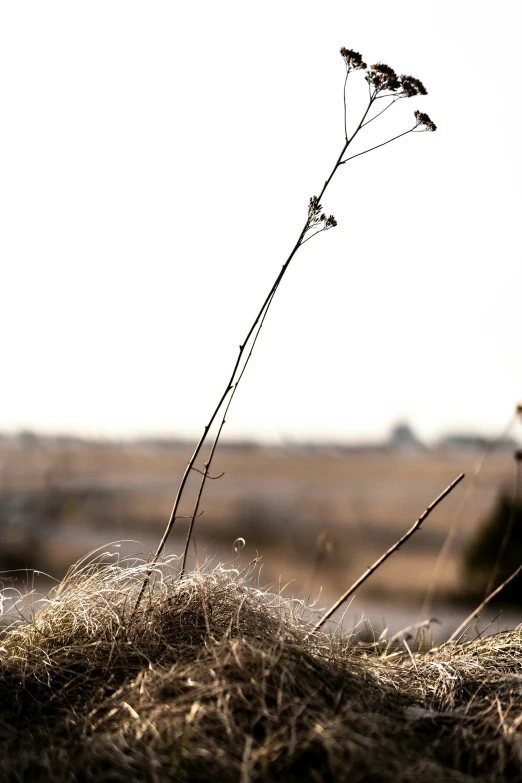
[(383, 85)]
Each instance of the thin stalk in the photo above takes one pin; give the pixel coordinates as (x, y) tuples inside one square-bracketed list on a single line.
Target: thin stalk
[(398, 98), (232, 382), (208, 463), (448, 541), (344, 100), (191, 462), (479, 608), (266, 309), (379, 145), (386, 555), (230, 385)]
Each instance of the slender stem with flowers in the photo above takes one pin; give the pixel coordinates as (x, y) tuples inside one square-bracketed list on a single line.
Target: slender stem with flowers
[(383, 82)]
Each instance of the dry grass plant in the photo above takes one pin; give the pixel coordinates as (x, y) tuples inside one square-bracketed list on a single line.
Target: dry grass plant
[(384, 85), (204, 677), (214, 679)]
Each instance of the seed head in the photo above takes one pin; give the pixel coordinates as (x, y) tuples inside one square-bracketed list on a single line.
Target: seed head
[(383, 77), (412, 86), (314, 209), (423, 119), (353, 60), (316, 216)]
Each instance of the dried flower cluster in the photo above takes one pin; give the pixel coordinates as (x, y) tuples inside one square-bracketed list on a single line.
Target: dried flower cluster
[(423, 119), (329, 222), (412, 86), (383, 77), (353, 60), (316, 216), (314, 209)]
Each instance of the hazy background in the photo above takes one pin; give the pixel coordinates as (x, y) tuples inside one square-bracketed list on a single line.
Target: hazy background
[(157, 161), (156, 164)]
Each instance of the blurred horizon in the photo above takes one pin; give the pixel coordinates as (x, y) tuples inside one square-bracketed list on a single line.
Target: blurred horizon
[(400, 435), (313, 515), (154, 183)]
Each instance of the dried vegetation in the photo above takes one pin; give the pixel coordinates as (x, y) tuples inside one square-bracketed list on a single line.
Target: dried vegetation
[(216, 680)]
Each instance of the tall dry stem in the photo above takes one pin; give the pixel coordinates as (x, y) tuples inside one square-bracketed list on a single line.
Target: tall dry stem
[(378, 563), (383, 84)]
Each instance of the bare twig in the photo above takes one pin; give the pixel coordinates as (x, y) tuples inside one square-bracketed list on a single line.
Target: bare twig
[(207, 476), (382, 110), (479, 608), (406, 632), (386, 555), (216, 441), (344, 99), (448, 541), (370, 149)]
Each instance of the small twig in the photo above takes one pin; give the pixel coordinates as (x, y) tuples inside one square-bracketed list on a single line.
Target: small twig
[(386, 555), (216, 440), (480, 634), (406, 632), (319, 231), (478, 610), (207, 476), (397, 98), (450, 536), (370, 149), (412, 659), (204, 475), (344, 98)]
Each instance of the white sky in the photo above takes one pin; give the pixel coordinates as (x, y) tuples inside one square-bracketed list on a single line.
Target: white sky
[(156, 163)]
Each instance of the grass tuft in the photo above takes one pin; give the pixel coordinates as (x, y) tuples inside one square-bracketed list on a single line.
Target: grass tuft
[(213, 679)]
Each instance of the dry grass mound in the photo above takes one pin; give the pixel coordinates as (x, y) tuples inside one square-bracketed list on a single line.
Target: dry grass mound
[(213, 680)]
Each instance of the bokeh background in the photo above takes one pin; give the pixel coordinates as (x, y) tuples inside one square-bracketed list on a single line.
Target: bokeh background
[(157, 164)]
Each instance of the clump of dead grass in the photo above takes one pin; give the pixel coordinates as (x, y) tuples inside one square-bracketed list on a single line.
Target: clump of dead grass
[(213, 679)]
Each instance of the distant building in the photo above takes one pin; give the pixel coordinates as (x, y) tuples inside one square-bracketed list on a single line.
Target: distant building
[(403, 438)]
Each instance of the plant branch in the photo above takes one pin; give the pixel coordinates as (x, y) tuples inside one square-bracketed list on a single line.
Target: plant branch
[(233, 379), (320, 231), (370, 149), (212, 478), (479, 608), (216, 441), (261, 317), (448, 541), (344, 99), (386, 555), (397, 98)]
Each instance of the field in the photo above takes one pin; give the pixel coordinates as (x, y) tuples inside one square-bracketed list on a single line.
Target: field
[(213, 678), (316, 517)]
